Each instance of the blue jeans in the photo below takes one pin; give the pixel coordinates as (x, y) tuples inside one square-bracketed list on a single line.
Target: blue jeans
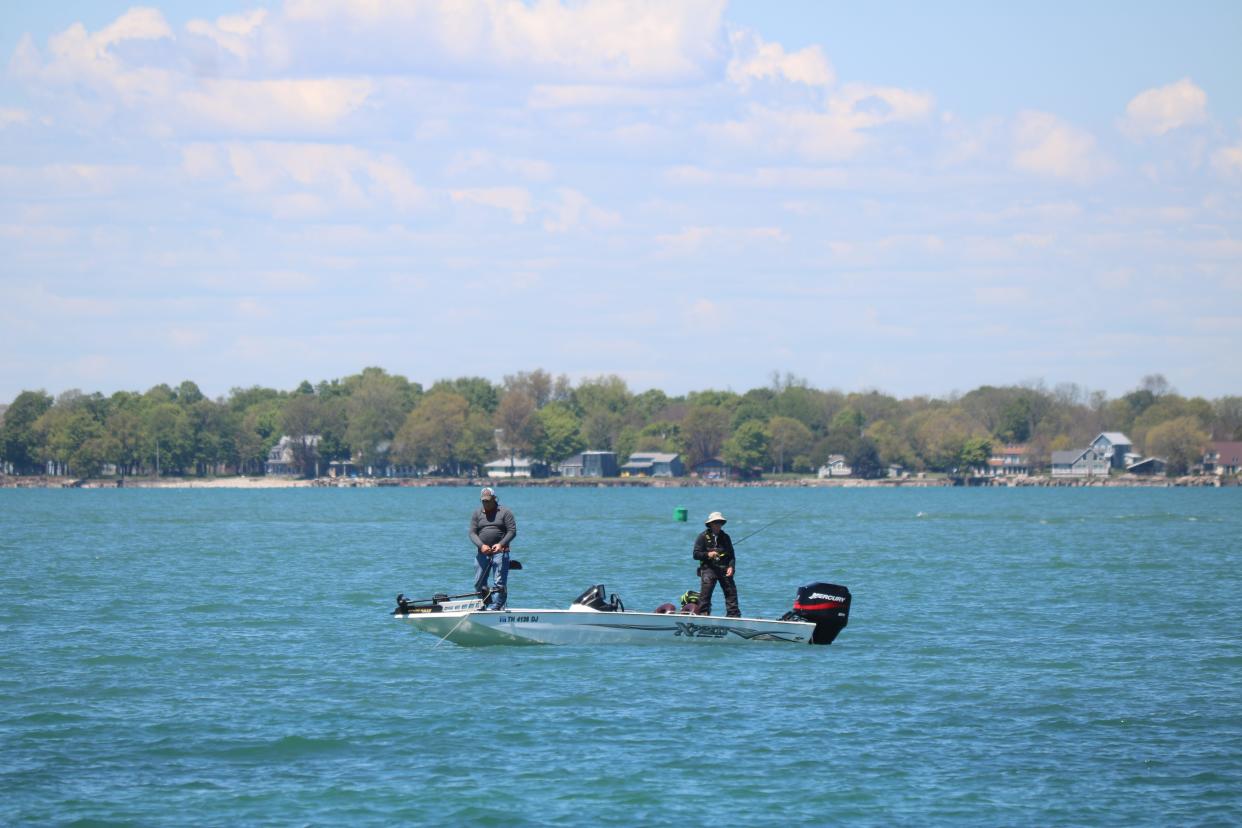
[(495, 567)]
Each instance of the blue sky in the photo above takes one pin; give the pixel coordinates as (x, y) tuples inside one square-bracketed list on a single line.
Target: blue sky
[(916, 198)]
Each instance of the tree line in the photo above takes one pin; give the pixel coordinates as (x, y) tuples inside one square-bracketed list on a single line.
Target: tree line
[(378, 420)]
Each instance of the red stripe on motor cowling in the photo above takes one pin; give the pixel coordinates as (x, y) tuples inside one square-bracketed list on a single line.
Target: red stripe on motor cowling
[(821, 606)]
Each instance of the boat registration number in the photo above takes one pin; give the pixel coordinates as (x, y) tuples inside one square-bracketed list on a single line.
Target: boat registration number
[(516, 619)]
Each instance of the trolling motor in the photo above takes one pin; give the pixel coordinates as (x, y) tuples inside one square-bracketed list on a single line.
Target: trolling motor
[(405, 606), (433, 604), (825, 605)]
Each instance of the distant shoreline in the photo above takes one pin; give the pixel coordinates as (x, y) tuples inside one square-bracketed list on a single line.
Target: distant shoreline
[(272, 482)]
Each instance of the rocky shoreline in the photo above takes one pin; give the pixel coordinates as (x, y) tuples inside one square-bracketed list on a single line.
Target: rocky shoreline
[(242, 482)]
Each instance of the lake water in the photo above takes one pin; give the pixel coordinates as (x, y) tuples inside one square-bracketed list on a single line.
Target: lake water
[(1020, 657)]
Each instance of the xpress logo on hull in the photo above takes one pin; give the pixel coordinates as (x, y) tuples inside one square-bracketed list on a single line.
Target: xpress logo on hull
[(700, 630)]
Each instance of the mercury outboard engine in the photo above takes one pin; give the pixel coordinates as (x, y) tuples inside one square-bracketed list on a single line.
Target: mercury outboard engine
[(827, 606), (596, 598)]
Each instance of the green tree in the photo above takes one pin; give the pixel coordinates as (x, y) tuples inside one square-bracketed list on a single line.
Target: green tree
[(890, 443), (661, 435), (1015, 421), (435, 433), (752, 406), (518, 427), (538, 385), (302, 420), (704, 431), (789, 438), (1227, 418), (601, 429), (604, 394), (864, 459), (19, 443), (477, 442), (375, 410), (648, 407), (938, 435), (848, 423), (560, 433), (479, 393), (974, 454), (71, 437), (165, 445), (124, 425), (747, 448), (188, 393), (1180, 441), (814, 409)]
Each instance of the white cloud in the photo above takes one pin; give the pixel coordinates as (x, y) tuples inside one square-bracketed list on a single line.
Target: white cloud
[(757, 60), (96, 79), (894, 248), (582, 96), (480, 160), (303, 179), (1165, 108), (692, 239), (1228, 160), (516, 201), (575, 210), (259, 107), (135, 24), (79, 60), (71, 179), (613, 41), (10, 117), (236, 33), (798, 178), (1046, 145), (839, 131)]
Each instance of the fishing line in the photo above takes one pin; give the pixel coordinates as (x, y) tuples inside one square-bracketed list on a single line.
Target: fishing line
[(765, 526), (464, 616)]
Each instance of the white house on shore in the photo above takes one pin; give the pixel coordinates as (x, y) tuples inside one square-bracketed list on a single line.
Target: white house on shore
[(282, 459), (835, 467), (516, 467)]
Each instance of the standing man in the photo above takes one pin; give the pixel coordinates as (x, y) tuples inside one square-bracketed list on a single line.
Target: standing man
[(492, 527), (713, 548)]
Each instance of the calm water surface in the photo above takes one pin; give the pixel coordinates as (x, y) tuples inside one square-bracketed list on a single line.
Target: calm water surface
[(1013, 657)]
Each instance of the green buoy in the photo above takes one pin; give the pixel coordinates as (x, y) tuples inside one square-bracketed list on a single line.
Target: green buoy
[(679, 514)]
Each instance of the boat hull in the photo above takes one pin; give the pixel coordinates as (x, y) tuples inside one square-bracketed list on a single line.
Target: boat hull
[(475, 627)]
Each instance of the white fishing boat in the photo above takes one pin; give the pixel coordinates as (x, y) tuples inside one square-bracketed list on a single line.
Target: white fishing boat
[(820, 611)]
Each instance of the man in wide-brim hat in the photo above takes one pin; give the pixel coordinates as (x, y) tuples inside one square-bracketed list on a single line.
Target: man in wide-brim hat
[(713, 549)]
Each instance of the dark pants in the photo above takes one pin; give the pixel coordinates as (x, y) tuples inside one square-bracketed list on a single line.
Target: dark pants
[(707, 582)]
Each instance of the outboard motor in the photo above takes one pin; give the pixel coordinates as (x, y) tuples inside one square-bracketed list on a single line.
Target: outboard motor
[(827, 606), (597, 599)]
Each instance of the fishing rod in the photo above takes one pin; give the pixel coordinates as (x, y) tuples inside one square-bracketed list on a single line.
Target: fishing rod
[(766, 526)]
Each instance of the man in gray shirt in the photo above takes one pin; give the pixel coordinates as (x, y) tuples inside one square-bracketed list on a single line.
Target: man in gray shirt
[(492, 527)]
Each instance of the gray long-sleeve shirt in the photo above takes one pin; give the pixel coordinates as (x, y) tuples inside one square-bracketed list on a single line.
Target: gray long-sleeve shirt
[(500, 528)]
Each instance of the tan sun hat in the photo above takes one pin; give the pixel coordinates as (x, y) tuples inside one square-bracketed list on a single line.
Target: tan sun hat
[(713, 517)]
